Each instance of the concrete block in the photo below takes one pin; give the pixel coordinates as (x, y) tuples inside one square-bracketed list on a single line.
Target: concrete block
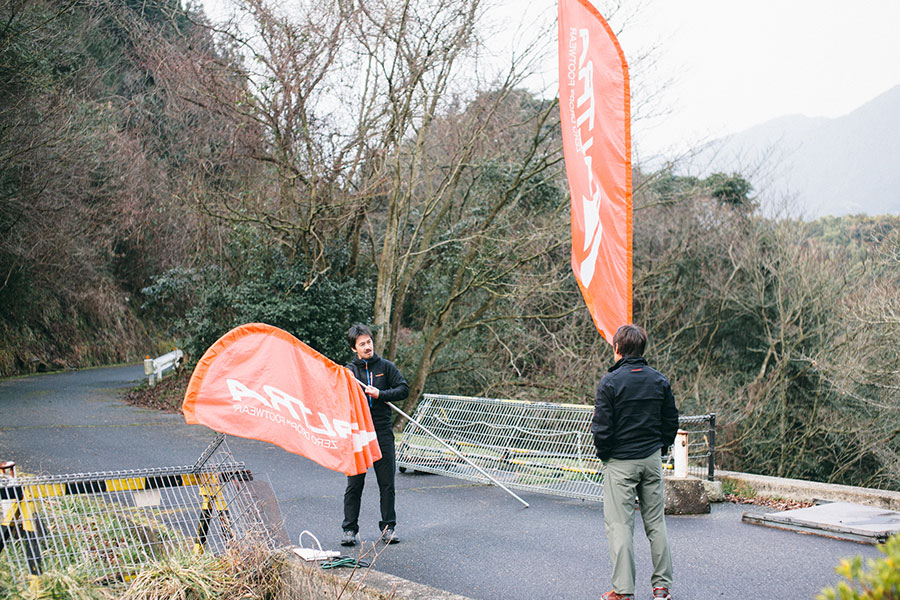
[(685, 496), (714, 490)]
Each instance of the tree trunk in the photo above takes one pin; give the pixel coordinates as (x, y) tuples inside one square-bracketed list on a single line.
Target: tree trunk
[(417, 387), (387, 268)]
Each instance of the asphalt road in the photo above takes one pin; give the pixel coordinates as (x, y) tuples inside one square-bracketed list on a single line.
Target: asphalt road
[(472, 540)]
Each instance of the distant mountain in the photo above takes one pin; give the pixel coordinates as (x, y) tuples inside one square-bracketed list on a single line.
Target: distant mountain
[(846, 165)]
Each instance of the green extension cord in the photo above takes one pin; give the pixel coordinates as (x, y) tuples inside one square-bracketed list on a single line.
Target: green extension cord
[(345, 561)]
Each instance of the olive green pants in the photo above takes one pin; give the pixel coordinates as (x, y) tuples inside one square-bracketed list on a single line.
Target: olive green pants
[(623, 481)]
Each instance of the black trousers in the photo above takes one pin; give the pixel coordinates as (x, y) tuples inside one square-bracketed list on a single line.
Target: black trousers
[(384, 474)]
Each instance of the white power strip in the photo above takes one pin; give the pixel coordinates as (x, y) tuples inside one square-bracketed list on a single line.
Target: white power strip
[(313, 554)]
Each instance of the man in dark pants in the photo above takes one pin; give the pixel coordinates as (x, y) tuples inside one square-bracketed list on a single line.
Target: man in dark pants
[(382, 383), (635, 417)]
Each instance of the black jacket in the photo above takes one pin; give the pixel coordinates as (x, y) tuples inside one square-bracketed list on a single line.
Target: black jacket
[(634, 413), (381, 373)]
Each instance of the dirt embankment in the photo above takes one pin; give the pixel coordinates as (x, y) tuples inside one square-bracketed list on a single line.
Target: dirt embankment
[(167, 395)]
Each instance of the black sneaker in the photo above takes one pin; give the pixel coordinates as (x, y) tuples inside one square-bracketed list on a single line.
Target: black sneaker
[(349, 538), (389, 537)]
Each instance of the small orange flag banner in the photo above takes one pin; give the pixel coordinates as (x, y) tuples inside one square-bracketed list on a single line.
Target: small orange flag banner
[(262, 383), (594, 100)]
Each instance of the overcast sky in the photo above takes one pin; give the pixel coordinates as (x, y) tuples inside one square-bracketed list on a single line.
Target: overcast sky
[(730, 64), (738, 63)]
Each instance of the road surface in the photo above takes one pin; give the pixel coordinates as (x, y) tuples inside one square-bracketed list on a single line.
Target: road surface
[(469, 539)]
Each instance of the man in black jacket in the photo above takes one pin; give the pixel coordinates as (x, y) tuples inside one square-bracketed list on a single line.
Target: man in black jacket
[(635, 417), (382, 383)]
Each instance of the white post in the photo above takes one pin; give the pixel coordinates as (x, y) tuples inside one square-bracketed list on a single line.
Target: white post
[(680, 453), (149, 369)]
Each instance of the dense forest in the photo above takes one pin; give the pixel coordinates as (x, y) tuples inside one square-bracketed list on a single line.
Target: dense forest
[(163, 179)]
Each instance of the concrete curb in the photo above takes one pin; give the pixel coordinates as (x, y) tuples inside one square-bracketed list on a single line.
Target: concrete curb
[(809, 491), (360, 584), (395, 587)]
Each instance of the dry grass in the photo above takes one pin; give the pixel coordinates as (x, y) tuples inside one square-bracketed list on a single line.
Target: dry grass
[(245, 573), (181, 577), (167, 395)]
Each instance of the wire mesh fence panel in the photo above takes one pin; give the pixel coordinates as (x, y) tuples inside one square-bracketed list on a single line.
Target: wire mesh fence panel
[(535, 446), (701, 445), (107, 525)]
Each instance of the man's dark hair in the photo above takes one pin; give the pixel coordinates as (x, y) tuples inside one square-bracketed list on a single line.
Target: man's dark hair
[(356, 330), (630, 340)]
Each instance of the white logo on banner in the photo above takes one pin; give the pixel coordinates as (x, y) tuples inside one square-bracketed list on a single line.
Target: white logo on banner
[(279, 401), (583, 72)]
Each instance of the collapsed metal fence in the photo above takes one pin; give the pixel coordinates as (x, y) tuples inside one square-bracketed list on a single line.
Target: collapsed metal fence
[(107, 525), (534, 446)]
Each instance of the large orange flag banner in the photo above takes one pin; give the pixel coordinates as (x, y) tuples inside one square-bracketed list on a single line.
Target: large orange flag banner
[(262, 383), (594, 100)]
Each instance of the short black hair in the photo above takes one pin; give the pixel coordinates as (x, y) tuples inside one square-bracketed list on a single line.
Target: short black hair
[(630, 340), (356, 330)]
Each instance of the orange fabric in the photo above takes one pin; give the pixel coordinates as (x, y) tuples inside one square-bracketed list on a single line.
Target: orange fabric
[(262, 383), (594, 99)]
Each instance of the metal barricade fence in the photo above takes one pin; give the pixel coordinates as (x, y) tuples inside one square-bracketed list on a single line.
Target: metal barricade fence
[(534, 446), (108, 524)]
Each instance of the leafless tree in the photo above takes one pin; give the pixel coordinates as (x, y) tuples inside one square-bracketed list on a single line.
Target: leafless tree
[(372, 124)]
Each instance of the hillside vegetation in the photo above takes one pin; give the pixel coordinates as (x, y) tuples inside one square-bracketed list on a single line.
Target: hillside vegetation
[(164, 181)]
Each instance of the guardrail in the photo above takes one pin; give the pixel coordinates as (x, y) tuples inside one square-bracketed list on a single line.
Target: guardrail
[(154, 368), (535, 446)]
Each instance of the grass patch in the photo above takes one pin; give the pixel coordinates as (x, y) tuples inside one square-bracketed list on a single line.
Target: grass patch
[(732, 487)]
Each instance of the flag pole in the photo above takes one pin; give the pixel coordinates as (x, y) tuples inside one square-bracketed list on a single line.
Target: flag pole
[(448, 446), (454, 451)]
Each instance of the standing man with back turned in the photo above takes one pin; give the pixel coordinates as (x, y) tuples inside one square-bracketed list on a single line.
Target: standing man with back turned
[(635, 417), (382, 383)]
